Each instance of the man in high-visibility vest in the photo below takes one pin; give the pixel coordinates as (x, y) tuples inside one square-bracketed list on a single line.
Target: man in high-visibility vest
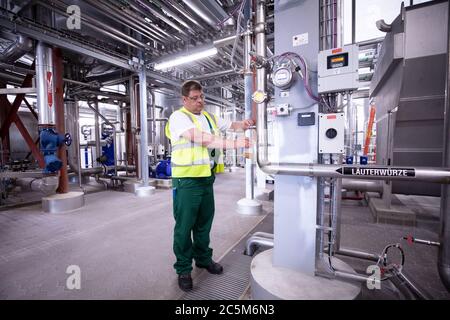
[(196, 157)]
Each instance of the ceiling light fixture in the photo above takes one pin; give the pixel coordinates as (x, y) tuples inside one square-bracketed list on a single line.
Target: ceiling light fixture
[(186, 59)]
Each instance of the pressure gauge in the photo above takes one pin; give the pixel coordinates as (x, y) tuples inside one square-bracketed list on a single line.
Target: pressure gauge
[(259, 97), (282, 77)]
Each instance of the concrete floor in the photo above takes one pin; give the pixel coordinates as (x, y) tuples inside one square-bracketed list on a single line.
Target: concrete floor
[(122, 244)]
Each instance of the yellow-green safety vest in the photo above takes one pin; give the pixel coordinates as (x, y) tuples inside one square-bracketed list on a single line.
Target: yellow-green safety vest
[(190, 159)]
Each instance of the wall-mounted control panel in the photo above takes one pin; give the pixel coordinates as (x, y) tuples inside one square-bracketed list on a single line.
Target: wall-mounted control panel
[(331, 133), (338, 69)]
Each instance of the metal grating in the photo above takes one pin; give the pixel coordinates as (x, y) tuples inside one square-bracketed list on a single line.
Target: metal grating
[(235, 280), (230, 285)]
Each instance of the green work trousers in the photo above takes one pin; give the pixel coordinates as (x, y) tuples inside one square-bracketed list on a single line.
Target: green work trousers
[(193, 210)]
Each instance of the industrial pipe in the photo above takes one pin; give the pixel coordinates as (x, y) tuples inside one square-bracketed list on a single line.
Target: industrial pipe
[(363, 186), (197, 7), (101, 27), (44, 84), (47, 185), (254, 241), (153, 126), (248, 80), (98, 149), (356, 254), (383, 26), (77, 133), (21, 46), (131, 23), (143, 117)]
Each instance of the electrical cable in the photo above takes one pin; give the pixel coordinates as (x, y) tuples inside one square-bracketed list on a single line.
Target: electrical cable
[(238, 31), (386, 268), (303, 72), (236, 9)]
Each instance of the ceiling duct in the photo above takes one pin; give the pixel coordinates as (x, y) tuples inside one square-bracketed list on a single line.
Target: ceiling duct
[(13, 46)]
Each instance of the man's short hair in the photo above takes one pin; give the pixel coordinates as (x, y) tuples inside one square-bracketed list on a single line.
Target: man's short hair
[(189, 86)]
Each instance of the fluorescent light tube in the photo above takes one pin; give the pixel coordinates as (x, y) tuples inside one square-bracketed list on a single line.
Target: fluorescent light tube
[(185, 59)]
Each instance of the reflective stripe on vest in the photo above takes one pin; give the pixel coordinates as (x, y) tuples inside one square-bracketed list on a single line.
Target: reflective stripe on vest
[(190, 159)]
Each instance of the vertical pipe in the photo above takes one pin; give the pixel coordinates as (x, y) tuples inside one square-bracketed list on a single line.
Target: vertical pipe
[(77, 132), (131, 123), (118, 152), (129, 138), (444, 238), (137, 133), (98, 150), (261, 77), (353, 21), (354, 133), (320, 212), (248, 82), (321, 181), (44, 85), (337, 209), (60, 117), (235, 152), (349, 146), (153, 123), (144, 140)]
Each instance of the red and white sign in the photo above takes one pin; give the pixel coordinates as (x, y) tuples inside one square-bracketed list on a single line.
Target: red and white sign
[(49, 89), (338, 50)]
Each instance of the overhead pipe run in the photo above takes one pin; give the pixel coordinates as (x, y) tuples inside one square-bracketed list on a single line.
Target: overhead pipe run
[(203, 12), (101, 27), (20, 46)]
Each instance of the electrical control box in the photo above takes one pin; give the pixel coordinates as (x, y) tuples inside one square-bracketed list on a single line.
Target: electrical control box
[(338, 69), (331, 133)]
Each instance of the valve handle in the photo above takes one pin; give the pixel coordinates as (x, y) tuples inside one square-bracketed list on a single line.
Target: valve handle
[(67, 139)]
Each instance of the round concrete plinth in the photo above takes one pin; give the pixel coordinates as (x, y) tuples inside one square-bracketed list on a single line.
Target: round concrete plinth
[(275, 283), (74, 179), (145, 191), (131, 186), (249, 207), (58, 203)]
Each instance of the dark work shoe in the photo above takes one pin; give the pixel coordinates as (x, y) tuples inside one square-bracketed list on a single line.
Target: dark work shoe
[(185, 282), (213, 268)]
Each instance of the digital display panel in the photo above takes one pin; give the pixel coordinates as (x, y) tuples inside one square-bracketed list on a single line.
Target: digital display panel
[(337, 61)]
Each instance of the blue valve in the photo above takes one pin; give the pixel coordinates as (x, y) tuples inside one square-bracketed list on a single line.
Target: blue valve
[(50, 141)]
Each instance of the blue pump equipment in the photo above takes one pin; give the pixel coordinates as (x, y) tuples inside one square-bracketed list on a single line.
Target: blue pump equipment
[(108, 150), (50, 141), (163, 170)]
